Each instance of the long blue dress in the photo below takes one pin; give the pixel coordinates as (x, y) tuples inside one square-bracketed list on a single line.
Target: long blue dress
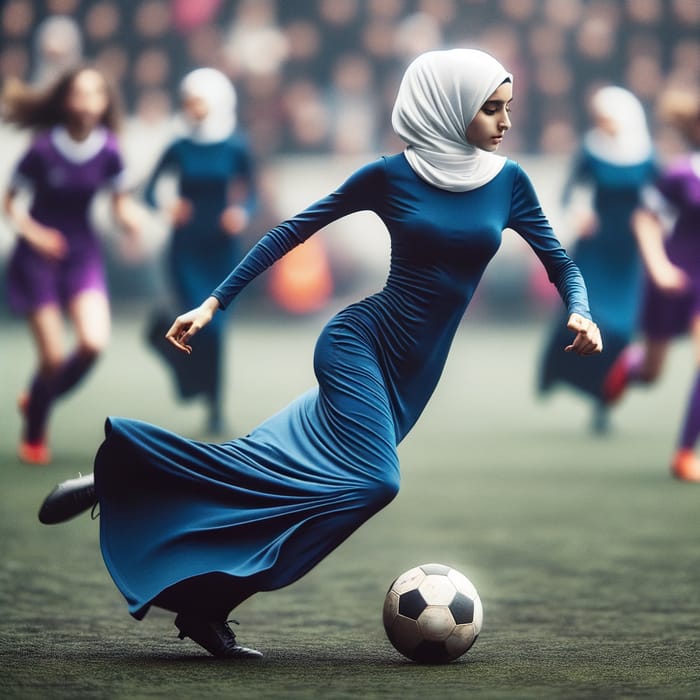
[(199, 527), (610, 262), (200, 253)]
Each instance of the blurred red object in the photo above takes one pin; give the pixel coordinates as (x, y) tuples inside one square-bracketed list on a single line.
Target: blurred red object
[(188, 16), (302, 281)]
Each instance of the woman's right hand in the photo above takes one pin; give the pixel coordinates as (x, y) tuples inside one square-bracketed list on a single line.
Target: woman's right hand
[(187, 324), (46, 241), (588, 340)]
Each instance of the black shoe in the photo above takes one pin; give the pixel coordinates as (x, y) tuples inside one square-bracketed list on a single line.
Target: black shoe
[(68, 499), (216, 637)]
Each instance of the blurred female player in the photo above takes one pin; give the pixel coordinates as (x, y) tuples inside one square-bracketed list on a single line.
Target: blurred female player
[(616, 161), (217, 196), (671, 305), (197, 528), (57, 262)]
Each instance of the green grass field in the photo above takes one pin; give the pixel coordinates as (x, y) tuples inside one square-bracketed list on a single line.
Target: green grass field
[(585, 553)]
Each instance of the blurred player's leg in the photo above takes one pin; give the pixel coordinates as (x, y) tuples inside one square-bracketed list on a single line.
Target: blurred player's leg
[(685, 463)]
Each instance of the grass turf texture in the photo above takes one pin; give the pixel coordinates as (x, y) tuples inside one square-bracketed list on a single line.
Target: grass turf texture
[(584, 551)]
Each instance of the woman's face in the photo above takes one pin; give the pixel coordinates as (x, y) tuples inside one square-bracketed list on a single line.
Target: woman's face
[(492, 121), (195, 108), (87, 100), (606, 123)]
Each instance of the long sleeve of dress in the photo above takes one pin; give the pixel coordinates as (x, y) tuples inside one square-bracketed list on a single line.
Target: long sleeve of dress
[(528, 219), (350, 197), (579, 173), (167, 162), (365, 190), (245, 171)]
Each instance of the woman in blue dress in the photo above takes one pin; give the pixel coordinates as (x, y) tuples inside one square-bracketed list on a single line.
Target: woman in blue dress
[(216, 197), (616, 161), (197, 528)]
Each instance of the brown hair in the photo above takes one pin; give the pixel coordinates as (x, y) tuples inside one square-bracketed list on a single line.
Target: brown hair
[(32, 108), (681, 109)]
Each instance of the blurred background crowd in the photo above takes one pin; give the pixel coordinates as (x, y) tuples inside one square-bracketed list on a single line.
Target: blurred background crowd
[(319, 77)]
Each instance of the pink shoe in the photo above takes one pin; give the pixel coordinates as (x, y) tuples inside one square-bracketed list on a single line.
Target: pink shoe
[(685, 466)]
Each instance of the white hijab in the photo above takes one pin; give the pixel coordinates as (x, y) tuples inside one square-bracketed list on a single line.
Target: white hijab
[(631, 143), (440, 94), (217, 91)]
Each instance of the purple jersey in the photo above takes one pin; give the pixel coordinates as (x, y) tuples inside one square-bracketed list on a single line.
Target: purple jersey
[(668, 315), (680, 186), (64, 177)]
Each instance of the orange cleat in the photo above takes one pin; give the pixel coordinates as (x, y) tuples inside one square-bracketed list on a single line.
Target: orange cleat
[(34, 453), (23, 407), (686, 466)]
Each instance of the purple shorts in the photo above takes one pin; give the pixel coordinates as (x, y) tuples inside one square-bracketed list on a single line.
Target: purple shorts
[(669, 315), (34, 281)]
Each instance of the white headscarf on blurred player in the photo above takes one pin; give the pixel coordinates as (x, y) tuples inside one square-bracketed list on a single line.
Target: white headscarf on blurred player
[(625, 140), (217, 91)]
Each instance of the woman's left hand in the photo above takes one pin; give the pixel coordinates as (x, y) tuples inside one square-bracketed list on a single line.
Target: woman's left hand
[(587, 340)]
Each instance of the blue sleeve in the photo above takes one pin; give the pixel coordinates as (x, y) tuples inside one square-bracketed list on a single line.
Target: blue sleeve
[(168, 161), (528, 219), (245, 171), (358, 193), (580, 171)]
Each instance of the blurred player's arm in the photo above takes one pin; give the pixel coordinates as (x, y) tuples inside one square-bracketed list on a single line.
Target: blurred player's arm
[(127, 213), (47, 241), (178, 211), (649, 231), (577, 198), (242, 194)]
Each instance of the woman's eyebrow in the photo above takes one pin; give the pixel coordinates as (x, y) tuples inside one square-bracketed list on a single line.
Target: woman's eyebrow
[(498, 102)]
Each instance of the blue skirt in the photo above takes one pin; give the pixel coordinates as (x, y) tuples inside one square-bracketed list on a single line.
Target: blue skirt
[(199, 527)]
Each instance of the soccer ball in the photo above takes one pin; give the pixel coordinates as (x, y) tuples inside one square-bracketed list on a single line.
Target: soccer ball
[(432, 614)]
